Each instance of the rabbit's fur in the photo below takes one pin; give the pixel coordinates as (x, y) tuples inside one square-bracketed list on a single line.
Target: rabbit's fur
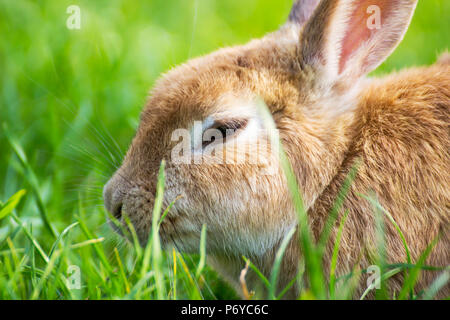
[(311, 75)]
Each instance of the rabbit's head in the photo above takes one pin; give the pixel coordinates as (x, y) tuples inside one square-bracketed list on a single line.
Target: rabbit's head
[(204, 119)]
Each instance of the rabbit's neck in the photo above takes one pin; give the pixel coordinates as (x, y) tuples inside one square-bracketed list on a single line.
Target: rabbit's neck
[(233, 269)]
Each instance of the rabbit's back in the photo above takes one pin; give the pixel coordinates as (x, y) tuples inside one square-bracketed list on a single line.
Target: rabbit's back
[(402, 138)]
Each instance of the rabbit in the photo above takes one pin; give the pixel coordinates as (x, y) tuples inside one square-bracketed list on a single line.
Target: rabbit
[(312, 76)]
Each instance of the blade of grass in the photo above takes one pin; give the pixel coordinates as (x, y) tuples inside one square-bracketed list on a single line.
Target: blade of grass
[(258, 272), (156, 244), (285, 290), (414, 273), (61, 235), (437, 285), (277, 263), (383, 277), (97, 246), (11, 203), (86, 243), (33, 260), (202, 261), (310, 253), (48, 269), (167, 210), (138, 286), (174, 255), (195, 292), (332, 281), (134, 238), (324, 236), (30, 176), (17, 278), (122, 271), (31, 238), (399, 231)]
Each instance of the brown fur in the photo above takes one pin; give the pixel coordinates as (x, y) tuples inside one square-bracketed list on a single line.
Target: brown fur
[(398, 128)]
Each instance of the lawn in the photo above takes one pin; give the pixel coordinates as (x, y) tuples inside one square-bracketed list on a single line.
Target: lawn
[(69, 105)]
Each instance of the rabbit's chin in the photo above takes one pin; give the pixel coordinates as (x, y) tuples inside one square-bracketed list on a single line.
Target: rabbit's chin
[(183, 233)]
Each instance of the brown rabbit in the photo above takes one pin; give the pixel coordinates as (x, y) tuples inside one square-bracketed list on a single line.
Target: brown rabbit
[(311, 75)]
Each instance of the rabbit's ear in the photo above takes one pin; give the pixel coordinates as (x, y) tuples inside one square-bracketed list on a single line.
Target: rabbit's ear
[(346, 39), (302, 10)]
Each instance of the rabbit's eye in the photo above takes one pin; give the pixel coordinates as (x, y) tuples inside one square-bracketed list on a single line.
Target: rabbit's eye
[(222, 130)]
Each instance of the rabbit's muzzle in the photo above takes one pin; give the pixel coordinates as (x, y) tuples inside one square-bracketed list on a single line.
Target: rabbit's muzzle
[(128, 201)]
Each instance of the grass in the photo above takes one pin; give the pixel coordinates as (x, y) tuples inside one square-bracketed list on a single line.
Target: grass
[(70, 102)]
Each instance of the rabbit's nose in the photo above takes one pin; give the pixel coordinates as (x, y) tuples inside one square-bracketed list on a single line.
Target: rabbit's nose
[(112, 197)]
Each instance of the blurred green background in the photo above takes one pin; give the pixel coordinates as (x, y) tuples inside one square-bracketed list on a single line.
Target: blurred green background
[(72, 97)]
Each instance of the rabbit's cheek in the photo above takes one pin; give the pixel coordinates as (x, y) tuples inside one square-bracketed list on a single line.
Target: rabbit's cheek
[(238, 206)]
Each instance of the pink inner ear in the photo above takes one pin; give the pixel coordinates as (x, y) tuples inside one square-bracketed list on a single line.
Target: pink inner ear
[(357, 31)]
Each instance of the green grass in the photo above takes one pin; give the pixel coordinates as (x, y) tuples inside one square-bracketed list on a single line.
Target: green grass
[(70, 102)]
